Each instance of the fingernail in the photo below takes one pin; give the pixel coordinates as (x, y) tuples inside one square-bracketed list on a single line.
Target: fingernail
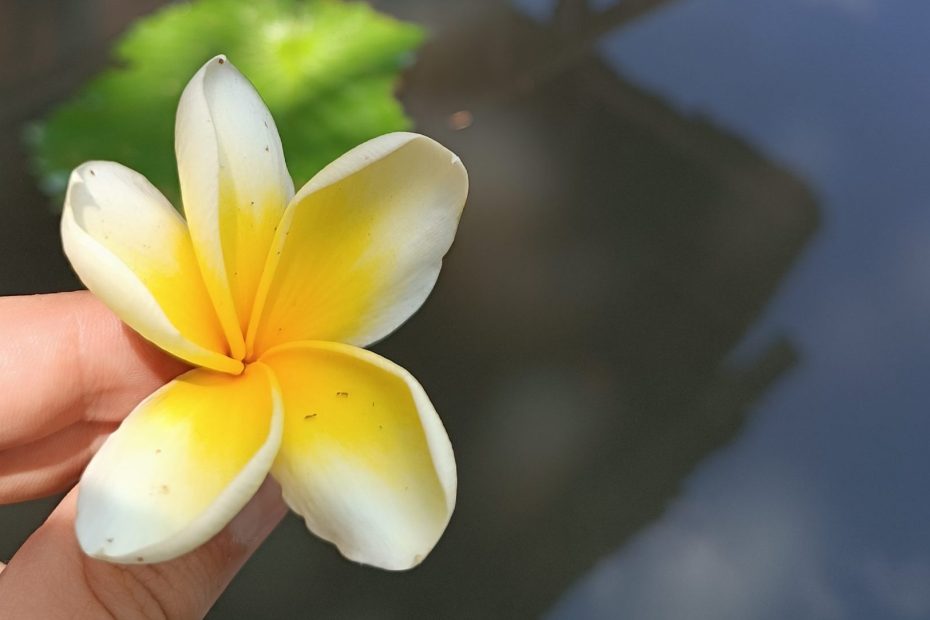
[(260, 515)]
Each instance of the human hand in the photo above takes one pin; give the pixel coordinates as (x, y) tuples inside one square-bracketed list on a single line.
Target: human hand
[(70, 371)]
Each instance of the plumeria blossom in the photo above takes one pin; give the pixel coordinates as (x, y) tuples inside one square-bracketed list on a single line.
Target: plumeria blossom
[(270, 295)]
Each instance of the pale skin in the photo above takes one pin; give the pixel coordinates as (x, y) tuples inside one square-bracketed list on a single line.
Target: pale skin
[(70, 371)]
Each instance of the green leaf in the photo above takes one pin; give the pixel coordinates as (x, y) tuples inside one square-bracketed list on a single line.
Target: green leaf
[(326, 69)]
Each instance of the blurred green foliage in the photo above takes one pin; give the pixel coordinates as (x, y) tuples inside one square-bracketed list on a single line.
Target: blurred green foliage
[(326, 69)]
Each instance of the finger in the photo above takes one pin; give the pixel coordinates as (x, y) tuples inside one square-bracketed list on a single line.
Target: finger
[(65, 358), (50, 464), (85, 588)]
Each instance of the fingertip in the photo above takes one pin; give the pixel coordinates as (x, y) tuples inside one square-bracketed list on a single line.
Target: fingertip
[(259, 517), (186, 587), (65, 358)]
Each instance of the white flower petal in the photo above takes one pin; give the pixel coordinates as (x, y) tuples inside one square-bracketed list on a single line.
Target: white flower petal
[(361, 245), (133, 251), (183, 463), (365, 459), (235, 186)]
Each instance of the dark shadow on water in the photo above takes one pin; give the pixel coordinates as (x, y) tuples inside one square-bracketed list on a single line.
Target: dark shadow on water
[(612, 254)]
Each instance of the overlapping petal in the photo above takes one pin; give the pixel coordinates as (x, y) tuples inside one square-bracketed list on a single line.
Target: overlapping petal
[(361, 244), (364, 459), (132, 249), (234, 184), (183, 463)]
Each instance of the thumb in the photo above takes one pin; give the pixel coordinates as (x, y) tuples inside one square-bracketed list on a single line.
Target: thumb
[(50, 577)]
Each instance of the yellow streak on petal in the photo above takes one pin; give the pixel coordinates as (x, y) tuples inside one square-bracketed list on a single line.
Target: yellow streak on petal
[(235, 187), (247, 227), (360, 246), (337, 403), (164, 261), (180, 466), (121, 234), (322, 288), (364, 458)]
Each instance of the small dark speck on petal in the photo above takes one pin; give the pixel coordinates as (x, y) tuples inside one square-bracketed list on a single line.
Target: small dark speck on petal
[(266, 124), (92, 173), (221, 61), (380, 428), (342, 394), (140, 559), (109, 540), (309, 416), (157, 450), (267, 150)]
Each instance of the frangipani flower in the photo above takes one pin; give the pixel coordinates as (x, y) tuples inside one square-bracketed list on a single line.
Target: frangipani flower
[(270, 295)]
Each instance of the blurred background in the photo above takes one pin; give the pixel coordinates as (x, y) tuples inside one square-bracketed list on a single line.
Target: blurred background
[(680, 344)]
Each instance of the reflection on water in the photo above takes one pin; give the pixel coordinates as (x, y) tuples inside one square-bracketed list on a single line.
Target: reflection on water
[(581, 345), (713, 558), (834, 462)]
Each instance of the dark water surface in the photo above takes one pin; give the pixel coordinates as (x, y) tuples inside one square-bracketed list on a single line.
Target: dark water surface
[(681, 343)]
